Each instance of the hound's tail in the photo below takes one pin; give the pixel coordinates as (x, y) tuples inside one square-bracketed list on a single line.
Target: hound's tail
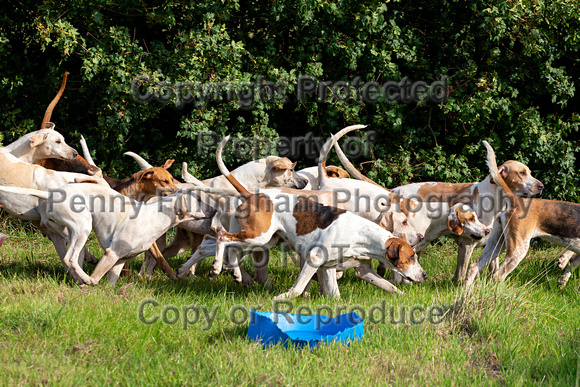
[(50, 107), (86, 152), (188, 177), (326, 148), (492, 164), (224, 170), (25, 191), (143, 164), (349, 167)]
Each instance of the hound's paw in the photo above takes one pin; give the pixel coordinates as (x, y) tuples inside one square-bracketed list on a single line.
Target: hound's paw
[(91, 281), (181, 272), (563, 280), (285, 296)]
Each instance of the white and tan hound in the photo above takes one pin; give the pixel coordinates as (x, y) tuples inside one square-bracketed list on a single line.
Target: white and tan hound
[(554, 221)]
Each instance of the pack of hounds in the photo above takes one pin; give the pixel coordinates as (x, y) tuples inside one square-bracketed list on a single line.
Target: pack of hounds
[(332, 221)]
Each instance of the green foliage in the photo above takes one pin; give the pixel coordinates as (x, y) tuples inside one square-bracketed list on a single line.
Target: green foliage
[(512, 69)]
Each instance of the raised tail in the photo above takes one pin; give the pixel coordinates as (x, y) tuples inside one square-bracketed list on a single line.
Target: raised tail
[(143, 164), (349, 167), (188, 177), (224, 170), (25, 191), (326, 148), (492, 164), (86, 152), (50, 107)]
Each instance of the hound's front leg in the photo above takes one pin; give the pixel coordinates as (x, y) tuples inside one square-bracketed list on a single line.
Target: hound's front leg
[(115, 272), (314, 260), (464, 252), (367, 274), (493, 248), (327, 282), (78, 238), (516, 251), (108, 260), (206, 249)]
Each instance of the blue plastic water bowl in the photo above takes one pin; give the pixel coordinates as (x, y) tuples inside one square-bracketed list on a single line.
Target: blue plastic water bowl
[(271, 328)]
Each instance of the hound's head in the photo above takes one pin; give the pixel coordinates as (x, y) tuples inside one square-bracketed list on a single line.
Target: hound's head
[(401, 258), (395, 214), (280, 173), (77, 165), (50, 144), (464, 221), (519, 178), (156, 180)]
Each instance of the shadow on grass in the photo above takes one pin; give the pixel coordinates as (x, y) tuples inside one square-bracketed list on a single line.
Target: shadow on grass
[(32, 270)]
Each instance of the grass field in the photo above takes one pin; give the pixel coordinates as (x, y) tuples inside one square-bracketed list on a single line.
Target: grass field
[(525, 331)]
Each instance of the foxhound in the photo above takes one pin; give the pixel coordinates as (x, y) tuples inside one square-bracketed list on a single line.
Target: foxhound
[(43, 143), (320, 234), (555, 221), (123, 226)]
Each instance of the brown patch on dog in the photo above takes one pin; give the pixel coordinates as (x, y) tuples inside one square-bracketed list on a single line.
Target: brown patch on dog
[(311, 215), (475, 194), (400, 253), (558, 218), (407, 206), (451, 193), (254, 216), (337, 172)]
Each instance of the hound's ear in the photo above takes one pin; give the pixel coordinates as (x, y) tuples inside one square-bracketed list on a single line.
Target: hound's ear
[(393, 245), (339, 173), (386, 222), (37, 139), (502, 169), (168, 164), (49, 125), (143, 175), (503, 172), (454, 224)]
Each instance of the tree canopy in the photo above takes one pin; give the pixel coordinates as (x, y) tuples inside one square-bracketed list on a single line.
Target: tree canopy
[(510, 68)]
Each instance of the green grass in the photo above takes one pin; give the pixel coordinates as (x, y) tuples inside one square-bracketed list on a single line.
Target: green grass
[(525, 331)]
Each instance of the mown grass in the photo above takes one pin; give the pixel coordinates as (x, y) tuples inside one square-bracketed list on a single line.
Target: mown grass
[(525, 331)]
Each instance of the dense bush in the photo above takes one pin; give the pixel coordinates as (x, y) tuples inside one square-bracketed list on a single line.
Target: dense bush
[(511, 69)]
